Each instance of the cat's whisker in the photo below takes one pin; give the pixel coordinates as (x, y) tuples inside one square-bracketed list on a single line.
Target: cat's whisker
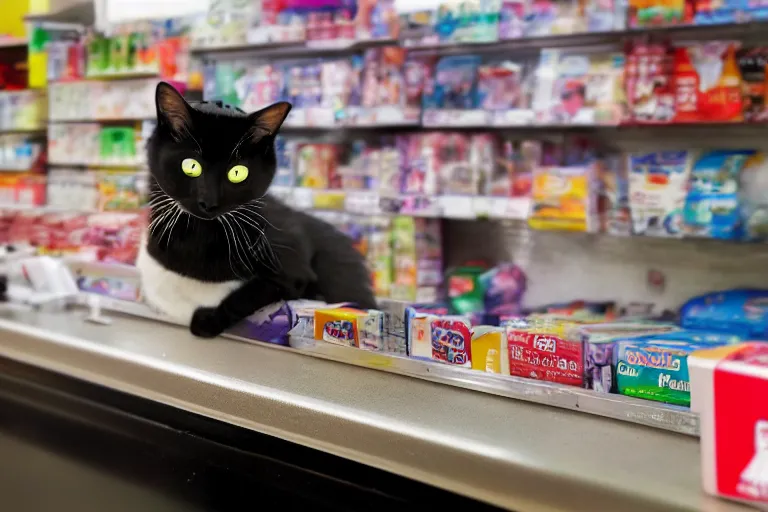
[(253, 211), (248, 221), (174, 215), (239, 143), (235, 242), (173, 225), (229, 248), (161, 218), (244, 245)]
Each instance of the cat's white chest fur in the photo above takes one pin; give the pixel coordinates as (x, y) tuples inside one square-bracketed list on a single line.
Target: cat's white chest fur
[(175, 295)]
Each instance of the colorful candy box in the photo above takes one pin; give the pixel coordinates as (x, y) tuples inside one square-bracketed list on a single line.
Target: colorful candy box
[(656, 367), (550, 351), (728, 390), (599, 344), (350, 327)]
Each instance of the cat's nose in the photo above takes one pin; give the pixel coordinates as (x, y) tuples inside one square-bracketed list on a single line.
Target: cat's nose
[(206, 207)]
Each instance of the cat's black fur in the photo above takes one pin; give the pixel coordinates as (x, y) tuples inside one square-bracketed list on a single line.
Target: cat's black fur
[(293, 255)]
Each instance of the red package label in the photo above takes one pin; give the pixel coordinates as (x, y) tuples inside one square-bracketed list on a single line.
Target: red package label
[(545, 357), (741, 428)]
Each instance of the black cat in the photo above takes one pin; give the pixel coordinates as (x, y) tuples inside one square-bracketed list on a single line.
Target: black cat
[(218, 247)]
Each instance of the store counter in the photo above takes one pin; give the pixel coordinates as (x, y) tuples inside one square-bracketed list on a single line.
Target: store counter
[(511, 454)]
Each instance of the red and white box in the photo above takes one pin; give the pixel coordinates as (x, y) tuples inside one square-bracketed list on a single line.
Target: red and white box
[(729, 390)]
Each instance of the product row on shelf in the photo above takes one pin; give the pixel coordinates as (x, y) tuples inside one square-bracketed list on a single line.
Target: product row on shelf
[(710, 82), (141, 48), (65, 190), (340, 23), (582, 344), (77, 190), (22, 110), (92, 144), (20, 153), (570, 185), (110, 237), (106, 101), (404, 254)]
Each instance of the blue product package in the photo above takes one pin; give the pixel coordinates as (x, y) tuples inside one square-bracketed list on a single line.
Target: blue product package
[(284, 151), (658, 184), (712, 204), (455, 84), (600, 344), (741, 312), (655, 367), (753, 199)]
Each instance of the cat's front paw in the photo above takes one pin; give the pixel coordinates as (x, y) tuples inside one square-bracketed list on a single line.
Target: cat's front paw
[(206, 323)]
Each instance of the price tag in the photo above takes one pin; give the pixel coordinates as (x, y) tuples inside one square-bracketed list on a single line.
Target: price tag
[(282, 193), (519, 117), (321, 117), (482, 207), (329, 200), (510, 208), (297, 118), (458, 118), (359, 116), (391, 115), (420, 206), (362, 202), (303, 198), (457, 207)]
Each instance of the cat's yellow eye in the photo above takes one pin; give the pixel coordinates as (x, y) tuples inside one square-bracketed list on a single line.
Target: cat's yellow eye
[(237, 174), (191, 167)]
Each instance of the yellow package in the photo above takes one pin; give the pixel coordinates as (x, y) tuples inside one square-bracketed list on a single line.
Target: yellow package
[(489, 350), (563, 199), (338, 326)]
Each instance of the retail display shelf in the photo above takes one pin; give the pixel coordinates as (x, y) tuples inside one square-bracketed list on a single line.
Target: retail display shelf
[(105, 120), (13, 42), (510, 453), (727, 128), (43, 208), (7, 170), (371, 202), (288, 49), (754, 30), (617, 407), (133, 75), (77, 13), (101, 165), (23, 131)]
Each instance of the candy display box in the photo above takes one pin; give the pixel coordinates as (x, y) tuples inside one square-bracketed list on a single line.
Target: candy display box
[(729, 386)]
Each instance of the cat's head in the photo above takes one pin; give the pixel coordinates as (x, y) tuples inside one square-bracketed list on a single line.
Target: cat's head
[(212, 159)]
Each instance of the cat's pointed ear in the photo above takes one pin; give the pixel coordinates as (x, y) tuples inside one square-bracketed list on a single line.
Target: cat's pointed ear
[(268, 120), (172, 109)]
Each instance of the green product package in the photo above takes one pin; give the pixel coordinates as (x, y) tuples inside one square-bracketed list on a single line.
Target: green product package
[(465, 293)]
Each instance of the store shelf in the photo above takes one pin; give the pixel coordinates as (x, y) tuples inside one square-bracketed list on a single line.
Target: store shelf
[(370, 202), (44, 209), (288, 50), (510, 453), (81, 12), (13, 42), (752, 31), (23, 131), (113, 120), (95, 165), (618, 407)]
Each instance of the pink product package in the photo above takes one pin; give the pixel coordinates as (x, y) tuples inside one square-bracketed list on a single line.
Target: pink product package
[(417, 177), (448, 155), (499, 85)]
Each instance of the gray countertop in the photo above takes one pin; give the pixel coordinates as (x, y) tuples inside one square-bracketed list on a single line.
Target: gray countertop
[(517, 455)]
